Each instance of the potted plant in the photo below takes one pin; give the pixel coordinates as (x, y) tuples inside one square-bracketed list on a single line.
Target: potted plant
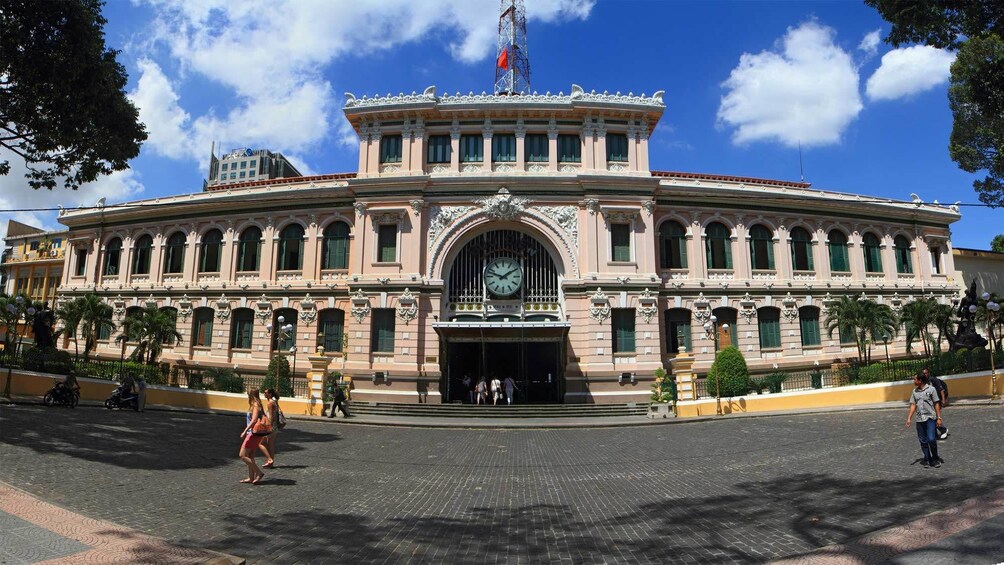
[(663, 393)]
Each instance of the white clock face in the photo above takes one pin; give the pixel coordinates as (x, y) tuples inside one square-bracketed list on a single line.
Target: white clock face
[(503, 276)]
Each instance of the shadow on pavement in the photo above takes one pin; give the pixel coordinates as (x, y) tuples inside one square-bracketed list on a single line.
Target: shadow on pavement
[(129, 439), (805, 512)]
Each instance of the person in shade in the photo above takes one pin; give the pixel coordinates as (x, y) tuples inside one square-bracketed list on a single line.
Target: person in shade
[(337, 402), (509, 385), (141, 393), (925, 413)]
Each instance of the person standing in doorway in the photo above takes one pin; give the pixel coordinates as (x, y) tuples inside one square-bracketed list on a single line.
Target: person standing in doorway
[(942, 389), (468, 390), (510, 386), (925, 412), (496, 390), (481, 391)]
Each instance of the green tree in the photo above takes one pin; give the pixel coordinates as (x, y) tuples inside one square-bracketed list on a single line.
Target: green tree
[(845, 317), (975, 30), (71, 314), (942, 317), (278, 376), (730, 367), (878, 323), (63, 108), (151, 328), (95, 316), (997, 243), (917, 316)]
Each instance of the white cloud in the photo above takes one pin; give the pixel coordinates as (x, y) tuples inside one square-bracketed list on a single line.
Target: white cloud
[(273, 55), (869, 44), (15, 194), (806, 92), (908, 71)]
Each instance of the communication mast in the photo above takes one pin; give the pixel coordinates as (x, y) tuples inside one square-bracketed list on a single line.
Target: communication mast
[(512, 62)]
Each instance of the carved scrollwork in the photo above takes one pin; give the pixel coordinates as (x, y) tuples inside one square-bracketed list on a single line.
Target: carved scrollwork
[(599, 308), (360, 306), (223, 308), (264, 309), (441, 217), (503, 206), (565, 216), (308, 310), (407, 306)]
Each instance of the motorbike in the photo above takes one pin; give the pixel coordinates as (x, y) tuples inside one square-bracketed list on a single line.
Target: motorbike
[(61, 394), (123, 397)]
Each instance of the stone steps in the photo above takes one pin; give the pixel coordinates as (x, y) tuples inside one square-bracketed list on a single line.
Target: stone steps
[(482, 411)]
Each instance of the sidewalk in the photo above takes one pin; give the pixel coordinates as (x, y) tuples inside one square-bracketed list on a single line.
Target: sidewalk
[(33, 531), (527, 423)]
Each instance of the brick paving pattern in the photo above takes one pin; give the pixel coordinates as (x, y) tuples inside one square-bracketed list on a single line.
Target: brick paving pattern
[(740, 490)]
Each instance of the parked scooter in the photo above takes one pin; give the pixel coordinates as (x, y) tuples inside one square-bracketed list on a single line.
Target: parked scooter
[(123, 397), (61, 394)]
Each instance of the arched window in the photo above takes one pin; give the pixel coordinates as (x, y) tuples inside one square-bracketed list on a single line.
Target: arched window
[(335, 249), (174, 253), (330, 327), (770, 327), (241, 328), (677, 329), (872, 252), (113, 254), (839, 262), (801, 250), (248, 249), (718, 246), (142, 252), (290, 248), (726, 326), (808, 321), (211, 250), (761, 248), (202, 327), (672, 246), (903, 263), (283, 332)]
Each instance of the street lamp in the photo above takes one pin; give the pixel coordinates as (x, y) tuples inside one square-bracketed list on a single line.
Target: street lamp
[(993, 318), (711, 330)]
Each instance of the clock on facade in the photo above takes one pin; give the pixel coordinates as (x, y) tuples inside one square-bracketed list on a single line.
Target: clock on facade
[(503, 276)]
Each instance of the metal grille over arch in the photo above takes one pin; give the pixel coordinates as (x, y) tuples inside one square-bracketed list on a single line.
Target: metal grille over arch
[(466, 281)]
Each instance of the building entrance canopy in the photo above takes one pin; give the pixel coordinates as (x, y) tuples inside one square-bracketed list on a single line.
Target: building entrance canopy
[(457, 332)]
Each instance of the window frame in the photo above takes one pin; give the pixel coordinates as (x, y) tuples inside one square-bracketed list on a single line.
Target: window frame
[(475, 142), (761, 248), (670, 242), (334, 245), (202, 327), (804, 246), (903, 254), (626, 247), (838, 251), (769, 319), (725, 239), (872, 253), (336, 317), (566, 142), (382, 240), (113, 258), (238, 331), (804, 319), (284, 254), (510, 141), (391, 148), (206, 248), (623, 330), (142, 255), (242, 250), (439, 150), (672, 323), (382, 338), (622, 143), (175, 252), (533, 142)]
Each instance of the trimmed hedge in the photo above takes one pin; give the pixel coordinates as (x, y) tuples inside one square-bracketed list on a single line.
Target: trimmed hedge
[(730, 367)]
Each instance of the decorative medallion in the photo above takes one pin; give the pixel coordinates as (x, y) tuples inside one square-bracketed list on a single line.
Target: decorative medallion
[(119, 304), (647, 305), (264, 310), (702, 308), (407, 306), (308, 310), (565, 216), (360, 305), (502, 206), (747, 308), (790, 311), (649, 206), (599, 308), (222, 308), (416, 206)]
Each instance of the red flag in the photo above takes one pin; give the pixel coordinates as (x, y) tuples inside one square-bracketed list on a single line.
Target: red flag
[(503, 61)]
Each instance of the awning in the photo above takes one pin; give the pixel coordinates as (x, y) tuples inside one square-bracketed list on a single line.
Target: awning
[(501, 331)]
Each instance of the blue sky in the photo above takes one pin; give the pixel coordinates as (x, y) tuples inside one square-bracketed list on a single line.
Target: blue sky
[(745, 83)]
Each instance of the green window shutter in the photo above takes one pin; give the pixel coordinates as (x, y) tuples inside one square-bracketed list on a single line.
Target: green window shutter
[(617, 147), (727, 244), (770, 328), (536, 148), (569, 149), (387, 243), (808, 255), (847, 335), (709, 252), (681, 244), (331, 328), (809, 325), (769, 243), (623, 330), (472, 148), (390, 149), (504, 148), (382, 339), (440, 149), (620, 240)]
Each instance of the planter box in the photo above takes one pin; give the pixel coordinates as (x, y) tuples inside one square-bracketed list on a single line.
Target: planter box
[(660, 410)]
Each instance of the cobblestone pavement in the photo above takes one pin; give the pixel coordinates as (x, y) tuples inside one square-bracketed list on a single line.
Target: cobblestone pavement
[(738, 490)]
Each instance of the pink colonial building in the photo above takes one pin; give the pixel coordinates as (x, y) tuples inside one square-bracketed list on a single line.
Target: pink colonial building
[(522, 236)]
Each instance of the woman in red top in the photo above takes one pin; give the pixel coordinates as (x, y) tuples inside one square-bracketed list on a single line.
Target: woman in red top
[(252, 440)]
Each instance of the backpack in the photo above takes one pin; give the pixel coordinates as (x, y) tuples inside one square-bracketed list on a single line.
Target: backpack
[(280, 422), (939, 385)]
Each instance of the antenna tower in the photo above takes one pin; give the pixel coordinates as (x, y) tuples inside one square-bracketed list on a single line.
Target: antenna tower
[(512, 61)]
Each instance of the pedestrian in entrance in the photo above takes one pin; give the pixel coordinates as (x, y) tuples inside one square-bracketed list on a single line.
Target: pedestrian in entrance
[(496, 390), (509, 386), (925, 411), (481, 391), (468, 391), (942, 389)]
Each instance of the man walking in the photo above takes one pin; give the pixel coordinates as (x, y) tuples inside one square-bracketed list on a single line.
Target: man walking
[(509, 386), (337, 402), (925, 412)]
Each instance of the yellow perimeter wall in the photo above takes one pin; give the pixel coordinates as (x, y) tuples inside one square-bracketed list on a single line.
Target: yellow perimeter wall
[(37, 384), (970, 384)]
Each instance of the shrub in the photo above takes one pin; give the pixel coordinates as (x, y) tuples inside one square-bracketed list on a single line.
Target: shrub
[(816, 378), (223, 379), (329, 385), (774, 381), (48, 360), (663, 389), (730, 367), (278, 376), (758, 384)]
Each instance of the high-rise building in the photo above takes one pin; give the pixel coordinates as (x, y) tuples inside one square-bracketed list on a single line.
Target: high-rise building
[(247, 165)]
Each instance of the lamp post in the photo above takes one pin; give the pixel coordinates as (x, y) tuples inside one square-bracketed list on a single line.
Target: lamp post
[(993, 318), (711, 330)]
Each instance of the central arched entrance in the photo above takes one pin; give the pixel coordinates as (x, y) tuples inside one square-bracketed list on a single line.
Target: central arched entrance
[(503, 317)]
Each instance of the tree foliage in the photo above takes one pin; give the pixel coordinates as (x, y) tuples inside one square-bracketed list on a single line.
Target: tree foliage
[(278, 376), (150, 328), (975, 30), (730, 368), (63, 108), (870, 321), (997, 243)]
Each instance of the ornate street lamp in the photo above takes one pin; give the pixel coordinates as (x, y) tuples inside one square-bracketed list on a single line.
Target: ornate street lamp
[(711, 330)]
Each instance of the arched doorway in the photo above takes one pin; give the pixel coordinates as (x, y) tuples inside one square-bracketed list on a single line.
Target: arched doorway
[(503, 317)]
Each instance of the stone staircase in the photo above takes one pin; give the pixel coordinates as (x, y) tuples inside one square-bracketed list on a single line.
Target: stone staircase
[(469, 411)]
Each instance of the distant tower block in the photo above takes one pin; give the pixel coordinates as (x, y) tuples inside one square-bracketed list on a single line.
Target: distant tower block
[(512, 62)]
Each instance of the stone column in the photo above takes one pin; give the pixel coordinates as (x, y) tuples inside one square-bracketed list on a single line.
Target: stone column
[(552, 147), (318, 370), (455, 148), (683, 371), (520, 146)]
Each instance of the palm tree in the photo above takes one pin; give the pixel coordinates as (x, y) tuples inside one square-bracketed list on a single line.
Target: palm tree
[(96, 315), (844, 317), (152, 328), (70, 313), (917, 316), (132, 329), (878, 323), (942, 317)]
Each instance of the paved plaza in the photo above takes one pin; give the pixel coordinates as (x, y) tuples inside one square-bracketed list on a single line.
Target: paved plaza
[(739, 489)]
